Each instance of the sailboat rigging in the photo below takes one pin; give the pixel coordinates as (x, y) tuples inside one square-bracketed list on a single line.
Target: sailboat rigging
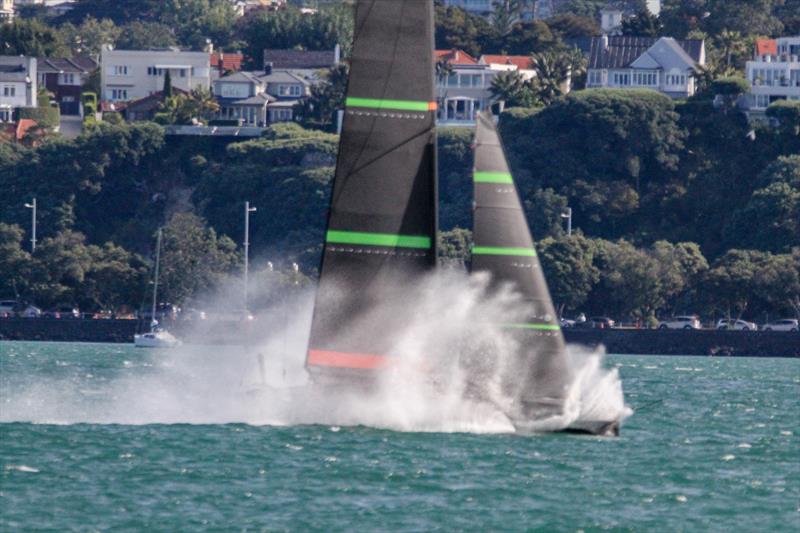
[(157, 337)]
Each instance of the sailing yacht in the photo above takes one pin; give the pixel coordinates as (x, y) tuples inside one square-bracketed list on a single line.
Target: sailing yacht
[(381, 235), (157, 337)]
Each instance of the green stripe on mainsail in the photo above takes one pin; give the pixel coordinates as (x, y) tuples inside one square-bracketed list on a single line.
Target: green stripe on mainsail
[(541, 327), (492, 177), (377, 103), (494, 250), (378, 239)]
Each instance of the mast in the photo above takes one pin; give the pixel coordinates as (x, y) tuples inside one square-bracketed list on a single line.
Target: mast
[(504, 247), (381, 234), (153, 321)]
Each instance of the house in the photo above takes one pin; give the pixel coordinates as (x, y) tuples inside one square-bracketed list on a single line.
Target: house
[(223, 63), (288, 88), (774, 74), (487, 7), (7, 11), (463, 87), (663, 64), (144, 108), (65, 77), (18, 85), (302, 60), (243, 96), (134, 74), (242, 7), (521, 64)]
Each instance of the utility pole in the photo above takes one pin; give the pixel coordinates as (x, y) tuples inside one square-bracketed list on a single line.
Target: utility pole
[(247, 211), (568, 216), (32, 206)]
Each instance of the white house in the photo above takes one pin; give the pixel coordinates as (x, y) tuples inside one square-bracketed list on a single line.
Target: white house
[(134, 74), (464, 91), (6, 10), (18, 85), (261, 98), (662, 64), (774, 74)]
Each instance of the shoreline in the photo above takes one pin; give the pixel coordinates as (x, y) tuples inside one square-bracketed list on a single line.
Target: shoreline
[(617, 341)]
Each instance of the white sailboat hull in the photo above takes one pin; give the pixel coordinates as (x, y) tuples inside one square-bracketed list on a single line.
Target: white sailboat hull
[(156, 339)]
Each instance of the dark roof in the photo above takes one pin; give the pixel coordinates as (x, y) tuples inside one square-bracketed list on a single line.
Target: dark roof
[(151, 102), (291, 59), (51, 65), (624, 50)]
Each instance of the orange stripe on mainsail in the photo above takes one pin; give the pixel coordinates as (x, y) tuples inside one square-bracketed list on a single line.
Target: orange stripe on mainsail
[(432, 106), (347, 359)]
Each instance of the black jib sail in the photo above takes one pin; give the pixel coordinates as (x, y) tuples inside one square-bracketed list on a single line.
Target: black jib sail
[(381, 234), (504, 248)]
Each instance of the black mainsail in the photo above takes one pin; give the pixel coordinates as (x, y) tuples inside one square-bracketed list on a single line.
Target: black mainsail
[(504, 247), (381, 234)]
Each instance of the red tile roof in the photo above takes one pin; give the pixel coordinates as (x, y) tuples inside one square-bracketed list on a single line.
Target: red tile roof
[(766, 47), (455, 57), (228, 62), (521, 62)]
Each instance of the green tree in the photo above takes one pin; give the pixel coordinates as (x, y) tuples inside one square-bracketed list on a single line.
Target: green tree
[(544, 208), (455, 247), (729, 287), (787, 114), (530, 36), (89, 37), (680, 268), (194, 259), (510, 87), (14, 260), (139, 35), (569, 26), (457, 29), (326, 98), (643, 24), (568, 264), (553, 72), (30, 37), (167, 92)]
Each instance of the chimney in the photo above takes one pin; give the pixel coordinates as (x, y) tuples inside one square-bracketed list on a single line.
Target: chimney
[(604, 40), (337, 54), (268, 68)]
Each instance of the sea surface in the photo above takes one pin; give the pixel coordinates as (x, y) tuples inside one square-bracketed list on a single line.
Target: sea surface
[(108, 438)]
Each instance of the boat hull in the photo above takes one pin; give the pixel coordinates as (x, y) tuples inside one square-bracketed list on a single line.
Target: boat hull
[(160, 339)]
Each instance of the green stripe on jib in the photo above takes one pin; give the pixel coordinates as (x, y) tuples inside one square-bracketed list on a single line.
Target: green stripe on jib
[(494, 250), (378, 239), (492, 177), (540, 327), (400, 105)]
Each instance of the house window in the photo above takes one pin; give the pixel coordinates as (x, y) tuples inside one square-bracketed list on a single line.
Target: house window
[(762, 100), (595, 77), (153, 71), (289, 90), (9, 90), (119, 94), (5, 115), (182, 73), (119, 70), (452, 80), (622, 79), (295, 90), (676, 80), (281, 115)]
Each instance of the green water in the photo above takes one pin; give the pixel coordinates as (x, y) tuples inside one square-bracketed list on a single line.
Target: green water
[(715, 446)]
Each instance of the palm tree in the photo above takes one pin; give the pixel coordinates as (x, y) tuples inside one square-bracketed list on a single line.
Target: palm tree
[(554, 70), (510, 87)]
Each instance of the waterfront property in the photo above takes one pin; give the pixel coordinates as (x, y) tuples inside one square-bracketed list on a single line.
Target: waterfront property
[(133, 74), (664, 64), (65, 77), (18, 85), (260, 98), (774, 73)]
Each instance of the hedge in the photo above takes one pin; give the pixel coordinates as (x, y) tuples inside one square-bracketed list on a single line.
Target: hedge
[(46, 117)]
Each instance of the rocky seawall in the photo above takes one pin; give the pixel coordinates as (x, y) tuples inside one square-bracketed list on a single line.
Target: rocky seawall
[(618, 341)]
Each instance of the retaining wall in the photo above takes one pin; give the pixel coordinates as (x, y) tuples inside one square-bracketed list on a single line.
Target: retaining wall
[(619, 341)]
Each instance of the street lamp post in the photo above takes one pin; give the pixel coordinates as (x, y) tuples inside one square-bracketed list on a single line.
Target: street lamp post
[(32, 206), (568, 216), (247, 211)]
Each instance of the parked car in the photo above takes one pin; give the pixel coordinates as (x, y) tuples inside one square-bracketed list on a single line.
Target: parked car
[(7, 308), (596, 322), (786, 324), (62, 311), (681, 322), (28, 311), (736, 324), (164, 311), (566, 323)]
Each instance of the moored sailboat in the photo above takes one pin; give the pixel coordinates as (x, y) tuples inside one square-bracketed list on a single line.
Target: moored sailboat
[(157, 337)]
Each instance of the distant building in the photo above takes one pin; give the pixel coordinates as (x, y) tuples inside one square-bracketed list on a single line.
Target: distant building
[(302, 60), (611, 20), (223, 64), (521, 64), (774, 73), (662, 64), (18, 85), (54, 7), (64, 77), (463, 89), (261, 98), (654, 7), (7, 10), (134, 74), (242, 7), (486, 7)]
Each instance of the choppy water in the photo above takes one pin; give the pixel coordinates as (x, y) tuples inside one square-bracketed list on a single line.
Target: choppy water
[(714, 446)]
